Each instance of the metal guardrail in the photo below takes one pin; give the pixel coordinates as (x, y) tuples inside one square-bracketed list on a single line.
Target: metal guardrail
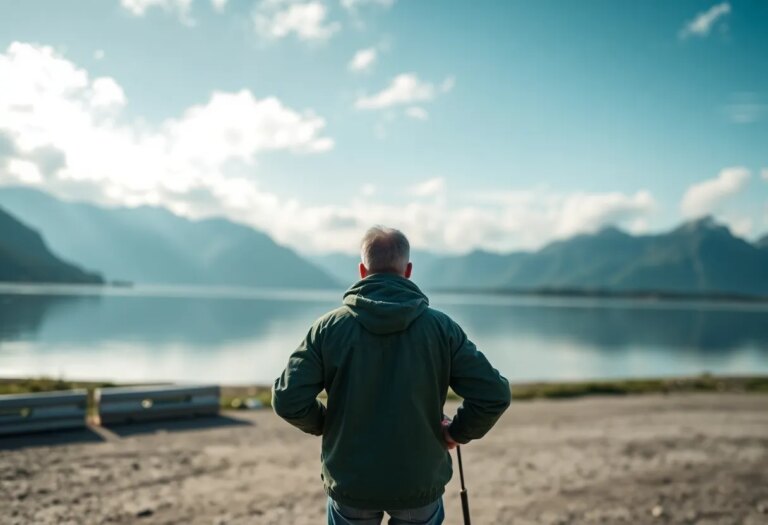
[(44, 411), (143, 403)]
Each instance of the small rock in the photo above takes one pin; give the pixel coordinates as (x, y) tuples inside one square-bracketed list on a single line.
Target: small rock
[(657, 511), (144, 513), (136, 466)]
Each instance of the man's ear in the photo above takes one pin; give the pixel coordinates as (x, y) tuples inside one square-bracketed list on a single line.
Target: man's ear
[(363, 271), (408, 270)]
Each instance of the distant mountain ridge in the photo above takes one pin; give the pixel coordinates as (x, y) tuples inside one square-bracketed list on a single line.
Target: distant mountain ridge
[(24, 257), (152, 245), (700, 256), (762, 242)]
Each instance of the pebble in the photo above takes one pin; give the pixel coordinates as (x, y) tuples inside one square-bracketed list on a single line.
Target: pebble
[(657, 511), (144, 513)]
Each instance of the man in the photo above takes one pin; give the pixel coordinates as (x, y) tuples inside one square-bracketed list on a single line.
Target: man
[(386, 360)]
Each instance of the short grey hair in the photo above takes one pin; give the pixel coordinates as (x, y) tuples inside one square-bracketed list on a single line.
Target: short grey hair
[(385, 250)]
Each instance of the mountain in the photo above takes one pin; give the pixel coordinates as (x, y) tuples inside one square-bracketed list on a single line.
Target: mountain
[(152, 245), (700, 256), (342, 266), (24, 257), (480, 268), (762, 242)]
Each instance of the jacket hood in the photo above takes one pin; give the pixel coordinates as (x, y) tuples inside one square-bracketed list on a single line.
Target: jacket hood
[(385, 303)]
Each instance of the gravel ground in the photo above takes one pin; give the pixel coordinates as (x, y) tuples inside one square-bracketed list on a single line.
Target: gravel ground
[(698, 458)]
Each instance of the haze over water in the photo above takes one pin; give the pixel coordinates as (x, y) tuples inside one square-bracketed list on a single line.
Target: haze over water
[(241, 336)]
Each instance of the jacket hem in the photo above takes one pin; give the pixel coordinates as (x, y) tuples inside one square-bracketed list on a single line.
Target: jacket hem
[(388, 503)]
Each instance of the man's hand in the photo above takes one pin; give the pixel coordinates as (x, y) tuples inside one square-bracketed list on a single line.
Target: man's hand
[(449, 443)]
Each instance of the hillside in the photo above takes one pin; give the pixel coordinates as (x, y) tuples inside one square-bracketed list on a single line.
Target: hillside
[(700, 256), (152, 245), (24, 257)]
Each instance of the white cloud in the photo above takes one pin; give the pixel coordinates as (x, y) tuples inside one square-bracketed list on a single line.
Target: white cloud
[(416, 112), (275, 19), (99, 54), (106, 93), (541, 215), (48, 103), (219, 5), (25, 171), (363, 59), (703, 23), (428, 188), (705, 197), (525, 219), (585, 212), (405, 88), (352, 5), (140, 7), (205, 161)]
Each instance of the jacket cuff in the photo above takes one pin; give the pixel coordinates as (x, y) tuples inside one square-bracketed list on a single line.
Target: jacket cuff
[(455, 432)]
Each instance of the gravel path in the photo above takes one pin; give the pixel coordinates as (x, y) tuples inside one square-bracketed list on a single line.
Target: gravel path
[(699, 458)]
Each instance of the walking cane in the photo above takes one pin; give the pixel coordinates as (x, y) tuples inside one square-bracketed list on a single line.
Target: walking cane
[(463, 493)]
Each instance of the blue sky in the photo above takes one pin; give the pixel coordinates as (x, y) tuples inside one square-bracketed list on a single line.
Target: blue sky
[(500, 125)]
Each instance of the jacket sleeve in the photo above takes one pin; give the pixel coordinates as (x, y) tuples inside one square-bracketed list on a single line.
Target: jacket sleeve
[(485, 391), (294, 393)]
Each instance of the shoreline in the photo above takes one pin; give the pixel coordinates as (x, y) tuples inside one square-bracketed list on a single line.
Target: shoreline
[(206, 290), (256, 396), (608, 293)]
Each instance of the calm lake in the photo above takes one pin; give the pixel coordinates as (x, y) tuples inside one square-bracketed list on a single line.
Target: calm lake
[(236, 336)]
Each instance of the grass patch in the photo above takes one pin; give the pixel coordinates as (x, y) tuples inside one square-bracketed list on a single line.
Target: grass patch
[(33, 385), (44, 384), (245, 398), (249, 397), (703, 383)]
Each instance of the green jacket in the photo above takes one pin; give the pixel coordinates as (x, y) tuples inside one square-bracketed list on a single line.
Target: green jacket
[(386, 360)]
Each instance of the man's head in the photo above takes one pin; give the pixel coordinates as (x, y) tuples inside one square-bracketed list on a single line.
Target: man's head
[(385, 250)]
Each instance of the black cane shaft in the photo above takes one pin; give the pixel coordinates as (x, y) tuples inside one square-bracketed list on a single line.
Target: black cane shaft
[(465, 507), (463, 493)]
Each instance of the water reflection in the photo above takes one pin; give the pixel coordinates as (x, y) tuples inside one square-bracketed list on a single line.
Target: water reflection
[(22, 315), (245, 337), (619, 325)]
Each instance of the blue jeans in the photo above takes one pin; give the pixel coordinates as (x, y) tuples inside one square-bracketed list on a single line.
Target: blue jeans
[(432, 514)]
